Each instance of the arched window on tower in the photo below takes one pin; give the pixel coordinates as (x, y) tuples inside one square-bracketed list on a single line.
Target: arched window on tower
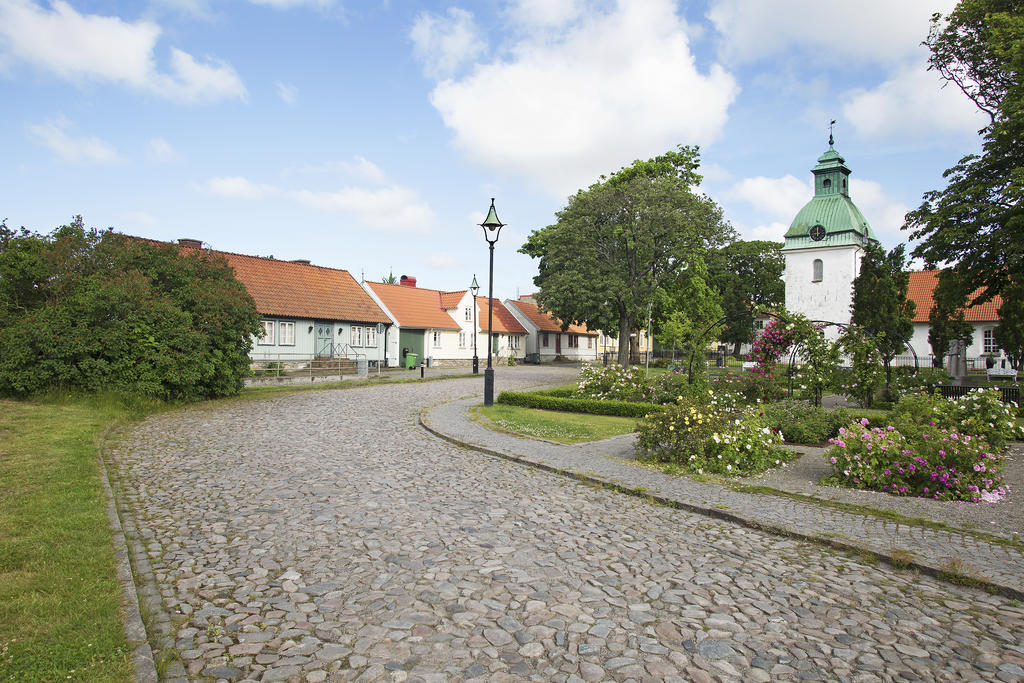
[(817, 270), (826, 183)]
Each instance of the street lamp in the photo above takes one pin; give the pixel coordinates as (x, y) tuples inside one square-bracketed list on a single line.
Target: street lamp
[(491, 226), (474, 287)]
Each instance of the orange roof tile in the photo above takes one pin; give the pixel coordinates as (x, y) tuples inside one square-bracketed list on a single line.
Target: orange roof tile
[(922, 284), (301, 290), (415, 307), (504, 321), (545, 321), (450, 300)]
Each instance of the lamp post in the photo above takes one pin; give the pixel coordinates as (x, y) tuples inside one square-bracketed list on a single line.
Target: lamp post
[(491, 226), (476, 361)]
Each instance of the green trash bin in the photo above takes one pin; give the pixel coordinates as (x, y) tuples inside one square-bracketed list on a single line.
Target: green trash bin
[(410, 361)]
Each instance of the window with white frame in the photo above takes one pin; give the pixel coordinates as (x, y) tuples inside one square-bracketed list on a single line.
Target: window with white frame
[(590, 342), (818, 269), (357, 335), (436, 337), (544, 340), (371, 337), (990, 344), (574, 341), (462, 340), (514, 340), (469, 314), (268, 333), (286, 333)]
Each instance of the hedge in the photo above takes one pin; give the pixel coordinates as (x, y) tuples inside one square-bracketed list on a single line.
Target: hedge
[(545, 401)]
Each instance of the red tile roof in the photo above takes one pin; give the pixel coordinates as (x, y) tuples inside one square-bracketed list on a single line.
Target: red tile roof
[(415, 307), (300, 290), (922, 284), (504, 321), (545, 321), (450, 300)]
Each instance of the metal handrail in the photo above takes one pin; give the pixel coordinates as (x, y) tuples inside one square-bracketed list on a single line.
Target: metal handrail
[(339, 350)]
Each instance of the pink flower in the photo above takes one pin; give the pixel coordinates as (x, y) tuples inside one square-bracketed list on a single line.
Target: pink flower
[(864, 421)]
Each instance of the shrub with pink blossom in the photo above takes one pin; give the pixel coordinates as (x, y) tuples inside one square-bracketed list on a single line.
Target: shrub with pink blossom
[(941, 464)]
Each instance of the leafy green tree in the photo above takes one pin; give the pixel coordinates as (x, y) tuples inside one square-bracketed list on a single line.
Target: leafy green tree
[(946, 322), (746, 275), (688, 307), (94, 310), (880, 305), (617, 242), (1010, 331), (975, 225)]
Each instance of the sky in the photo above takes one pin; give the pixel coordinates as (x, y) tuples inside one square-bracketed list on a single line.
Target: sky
[(371, 136)]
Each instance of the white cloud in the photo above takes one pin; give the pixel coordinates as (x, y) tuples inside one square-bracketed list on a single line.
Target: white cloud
[(289, 4), (237, 187), (779, 198), (885, 214), (54, 135), (286, 92), (160, 151), (444, 44), (88, 47), (391, 208), (868, 31), (544, 13), (911, 103), (620, 84)]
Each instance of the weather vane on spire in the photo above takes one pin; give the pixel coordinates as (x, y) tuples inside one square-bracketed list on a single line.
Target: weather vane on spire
[(830, 140)]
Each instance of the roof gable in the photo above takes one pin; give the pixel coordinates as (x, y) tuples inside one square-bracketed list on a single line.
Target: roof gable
[(414, 307), (503, 320), (545, 321)]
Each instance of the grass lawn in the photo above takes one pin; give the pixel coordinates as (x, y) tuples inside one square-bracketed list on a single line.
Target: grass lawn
[(59, 595), (557, 426)]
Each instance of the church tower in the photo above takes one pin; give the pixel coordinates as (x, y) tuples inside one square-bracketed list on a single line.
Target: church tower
[(825, 244)]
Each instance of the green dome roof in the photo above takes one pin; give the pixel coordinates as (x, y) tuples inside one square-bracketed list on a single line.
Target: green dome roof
[(831, 208)]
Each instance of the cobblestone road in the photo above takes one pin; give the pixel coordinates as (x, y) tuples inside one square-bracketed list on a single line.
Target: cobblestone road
[(324, 536)]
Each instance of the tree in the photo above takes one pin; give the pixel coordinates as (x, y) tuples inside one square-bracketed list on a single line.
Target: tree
[(1010, 331), (880, 305), (976, 224), (617, 242), (93, 310), (946, 322), (687, 308), (746, 275)]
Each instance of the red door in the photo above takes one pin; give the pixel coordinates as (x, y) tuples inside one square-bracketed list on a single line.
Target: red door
[(558, 344)]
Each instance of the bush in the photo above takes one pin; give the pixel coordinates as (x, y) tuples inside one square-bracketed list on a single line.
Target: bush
[(89, 310), (619, 383), (980, 413), (708, 440), (940, 464), (801, 422), (576, 405)]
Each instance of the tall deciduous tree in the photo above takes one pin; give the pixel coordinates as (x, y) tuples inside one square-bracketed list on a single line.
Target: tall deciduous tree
[(880, 305), (746, 275), (946, 322), (617, 242), (975, 226), (688, 307)]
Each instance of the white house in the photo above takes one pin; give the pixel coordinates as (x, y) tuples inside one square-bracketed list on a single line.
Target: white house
[(545, 339)]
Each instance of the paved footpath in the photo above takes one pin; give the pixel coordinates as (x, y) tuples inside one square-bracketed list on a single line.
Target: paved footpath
[(326, 536)]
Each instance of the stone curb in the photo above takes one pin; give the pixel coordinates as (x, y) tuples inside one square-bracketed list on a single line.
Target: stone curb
[(829, 541), (134, 628)]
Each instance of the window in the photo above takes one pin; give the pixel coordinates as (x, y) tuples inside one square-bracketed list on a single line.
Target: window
[(268, 333), (514, 341), (590, 342), (818, 268), (759, 324), (286, 333), (990, 345), (574, 341), (371, 337), (462, 340), (469, 314), (544, 340), (826, 183), (436, 335), (357, 335)]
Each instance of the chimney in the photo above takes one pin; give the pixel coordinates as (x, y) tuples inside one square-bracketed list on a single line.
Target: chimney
[(407, 281), (190, 243), (303, 261)]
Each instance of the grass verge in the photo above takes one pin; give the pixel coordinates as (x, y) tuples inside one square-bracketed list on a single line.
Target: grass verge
[(59, 595), (554, 425)]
